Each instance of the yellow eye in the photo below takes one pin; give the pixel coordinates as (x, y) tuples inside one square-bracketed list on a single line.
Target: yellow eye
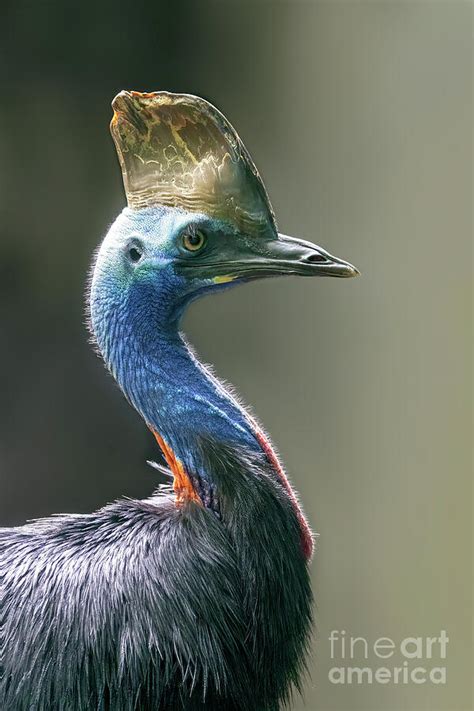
[(193, 241)]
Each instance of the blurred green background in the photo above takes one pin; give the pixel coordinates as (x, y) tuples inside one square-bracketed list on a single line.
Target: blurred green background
[(359, 116)]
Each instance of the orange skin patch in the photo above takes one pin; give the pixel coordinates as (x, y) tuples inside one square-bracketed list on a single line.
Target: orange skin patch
[(184, 489), (182, 486)]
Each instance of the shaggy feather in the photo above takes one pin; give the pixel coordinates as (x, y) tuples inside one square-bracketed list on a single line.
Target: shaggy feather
[(146, 605)]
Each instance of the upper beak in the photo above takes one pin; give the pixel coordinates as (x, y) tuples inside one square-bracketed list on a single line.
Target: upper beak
[(287, 255)]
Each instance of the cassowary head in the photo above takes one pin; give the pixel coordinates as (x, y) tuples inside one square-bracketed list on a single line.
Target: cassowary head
[(198, 215)]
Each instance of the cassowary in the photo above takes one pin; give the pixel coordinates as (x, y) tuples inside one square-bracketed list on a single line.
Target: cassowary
[(198, 597)]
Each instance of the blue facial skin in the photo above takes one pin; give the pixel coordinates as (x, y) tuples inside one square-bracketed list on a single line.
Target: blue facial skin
[(137, 299)]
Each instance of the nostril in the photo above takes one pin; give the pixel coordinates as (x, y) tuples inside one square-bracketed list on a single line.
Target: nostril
[(315, 258)]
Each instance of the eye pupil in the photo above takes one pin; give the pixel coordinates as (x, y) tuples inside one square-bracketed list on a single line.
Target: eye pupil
[(192, 241), (134, 254)]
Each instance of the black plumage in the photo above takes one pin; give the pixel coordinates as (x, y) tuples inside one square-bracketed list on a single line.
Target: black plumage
[(145, 605)]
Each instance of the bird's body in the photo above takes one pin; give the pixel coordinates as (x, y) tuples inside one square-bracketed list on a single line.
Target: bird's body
[(144, 605), (199, 597)]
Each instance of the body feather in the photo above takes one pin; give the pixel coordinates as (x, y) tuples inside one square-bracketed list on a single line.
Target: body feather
[(149, 605)]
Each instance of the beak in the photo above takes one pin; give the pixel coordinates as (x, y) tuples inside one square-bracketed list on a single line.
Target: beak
[(287, 255)]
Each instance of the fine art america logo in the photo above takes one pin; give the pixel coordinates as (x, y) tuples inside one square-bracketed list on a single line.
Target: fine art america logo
[(412, 660)]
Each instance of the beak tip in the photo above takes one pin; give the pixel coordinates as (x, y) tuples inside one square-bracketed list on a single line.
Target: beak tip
[(346, 269)]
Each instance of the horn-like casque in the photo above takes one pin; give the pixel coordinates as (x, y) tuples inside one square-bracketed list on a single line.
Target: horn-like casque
[(179, 150)]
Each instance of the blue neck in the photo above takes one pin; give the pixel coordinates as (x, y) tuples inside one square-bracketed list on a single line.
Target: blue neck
[(176, 395)]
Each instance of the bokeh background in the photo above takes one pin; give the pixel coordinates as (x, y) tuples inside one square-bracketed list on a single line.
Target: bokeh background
[(359, 116)]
